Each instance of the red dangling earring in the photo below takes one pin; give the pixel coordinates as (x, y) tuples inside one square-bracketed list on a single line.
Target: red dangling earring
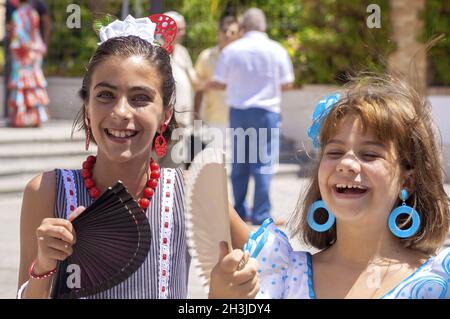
[(160, 142), (88, 138)]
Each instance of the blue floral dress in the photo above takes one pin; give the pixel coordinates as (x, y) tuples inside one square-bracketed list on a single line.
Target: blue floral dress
[(287, 274)]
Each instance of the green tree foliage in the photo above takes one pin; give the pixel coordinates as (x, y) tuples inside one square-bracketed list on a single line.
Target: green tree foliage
[(202, 19), (325, 39), (71, 48), (333, 39), (437, 21)]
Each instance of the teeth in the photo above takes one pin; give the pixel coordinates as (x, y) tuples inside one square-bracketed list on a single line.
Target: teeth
[(121, 133), (350, 186)]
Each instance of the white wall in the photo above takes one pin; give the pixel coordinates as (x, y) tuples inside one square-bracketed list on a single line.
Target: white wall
[(297, 108), (63, 95), (441, 115)]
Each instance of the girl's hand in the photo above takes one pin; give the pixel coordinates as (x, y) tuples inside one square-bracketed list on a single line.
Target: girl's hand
[(55, 238), (228, 281)]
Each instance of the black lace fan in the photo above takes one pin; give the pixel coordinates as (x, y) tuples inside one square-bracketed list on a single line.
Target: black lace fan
[(113, 240)]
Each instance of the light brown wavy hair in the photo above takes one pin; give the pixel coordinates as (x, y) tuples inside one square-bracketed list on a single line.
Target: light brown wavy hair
[(397, 113)]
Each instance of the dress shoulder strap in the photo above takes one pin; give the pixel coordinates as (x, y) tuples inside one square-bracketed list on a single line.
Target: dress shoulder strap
[(70, 190)]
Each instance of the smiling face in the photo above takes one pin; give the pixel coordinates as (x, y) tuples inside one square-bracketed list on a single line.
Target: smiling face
[(359, 176), (125, 107), (399, 117)]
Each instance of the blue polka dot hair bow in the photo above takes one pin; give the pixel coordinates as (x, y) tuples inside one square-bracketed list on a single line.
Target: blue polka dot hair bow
[(320, 113)]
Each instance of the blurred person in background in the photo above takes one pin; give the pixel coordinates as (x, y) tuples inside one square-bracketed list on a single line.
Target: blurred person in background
[(45, 25), (27, 98), (254, 70), (211, 104), (186, 82)]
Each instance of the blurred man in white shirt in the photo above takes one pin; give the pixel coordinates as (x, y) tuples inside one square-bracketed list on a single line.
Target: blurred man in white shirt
[(254, 71)]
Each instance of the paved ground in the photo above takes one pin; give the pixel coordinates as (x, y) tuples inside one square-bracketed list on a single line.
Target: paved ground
[(285, 191)]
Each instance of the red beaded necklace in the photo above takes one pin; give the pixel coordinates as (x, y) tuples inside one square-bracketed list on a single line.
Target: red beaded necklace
[(94, 191)]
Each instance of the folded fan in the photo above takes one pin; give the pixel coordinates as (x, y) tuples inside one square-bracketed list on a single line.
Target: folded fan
[(113, 240), (207, 216)]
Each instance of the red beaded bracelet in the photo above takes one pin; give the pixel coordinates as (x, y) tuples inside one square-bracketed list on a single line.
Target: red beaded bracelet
[(41, 276)]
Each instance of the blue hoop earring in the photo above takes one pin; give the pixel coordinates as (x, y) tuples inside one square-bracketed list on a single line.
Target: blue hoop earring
[(404, 209), (313, 224)]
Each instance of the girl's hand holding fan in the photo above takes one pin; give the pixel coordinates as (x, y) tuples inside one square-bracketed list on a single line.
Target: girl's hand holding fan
[(55, 238), (112, 242), (235, 275)]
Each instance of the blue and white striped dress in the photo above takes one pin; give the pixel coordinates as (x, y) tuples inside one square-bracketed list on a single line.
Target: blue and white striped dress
[(144, 283)]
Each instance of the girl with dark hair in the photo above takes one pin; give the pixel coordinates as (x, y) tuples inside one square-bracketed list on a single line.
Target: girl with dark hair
[(128, 95)]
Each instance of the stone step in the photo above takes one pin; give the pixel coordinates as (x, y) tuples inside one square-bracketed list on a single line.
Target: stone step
[(20, 166), (17, 172), (39, 138), (41, 150), (50, 132), (26, 152), (14, 185)]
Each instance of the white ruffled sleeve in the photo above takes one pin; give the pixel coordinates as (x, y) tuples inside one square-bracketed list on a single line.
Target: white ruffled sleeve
[(270, 246)]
